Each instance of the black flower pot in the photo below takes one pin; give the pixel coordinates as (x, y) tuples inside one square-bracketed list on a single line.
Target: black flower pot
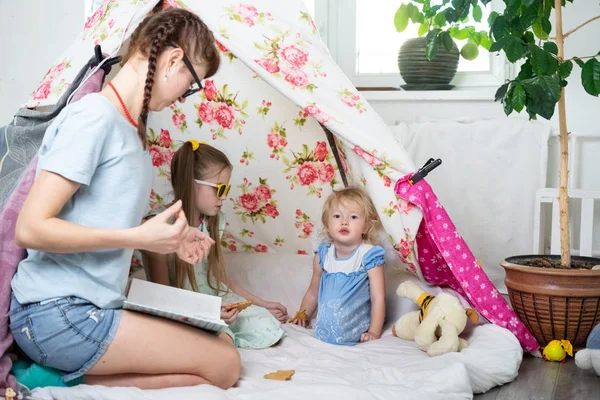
[(421, 74)]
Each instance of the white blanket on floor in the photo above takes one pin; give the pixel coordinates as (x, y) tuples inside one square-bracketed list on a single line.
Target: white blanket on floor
[(389, 368)]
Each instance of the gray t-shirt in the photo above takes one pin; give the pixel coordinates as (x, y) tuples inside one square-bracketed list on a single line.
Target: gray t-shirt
[(92, 144)]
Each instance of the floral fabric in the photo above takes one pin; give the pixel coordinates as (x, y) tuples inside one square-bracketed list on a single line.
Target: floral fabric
[(264, 108)]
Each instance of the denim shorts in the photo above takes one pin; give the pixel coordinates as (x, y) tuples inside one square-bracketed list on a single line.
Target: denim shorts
[(70, 334)]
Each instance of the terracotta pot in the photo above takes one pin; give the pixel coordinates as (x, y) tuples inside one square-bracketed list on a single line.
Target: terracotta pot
[(554, 303)]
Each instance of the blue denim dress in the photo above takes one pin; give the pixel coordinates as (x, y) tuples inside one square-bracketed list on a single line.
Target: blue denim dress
[(344, 312)]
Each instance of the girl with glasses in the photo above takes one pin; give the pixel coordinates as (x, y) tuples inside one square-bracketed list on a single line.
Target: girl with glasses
[(200, 177), (81, 222)]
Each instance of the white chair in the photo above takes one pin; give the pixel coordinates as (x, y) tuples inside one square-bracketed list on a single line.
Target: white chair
[(586, 222)]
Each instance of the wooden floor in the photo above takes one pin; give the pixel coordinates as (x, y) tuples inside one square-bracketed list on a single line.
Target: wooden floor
[(543, 380)]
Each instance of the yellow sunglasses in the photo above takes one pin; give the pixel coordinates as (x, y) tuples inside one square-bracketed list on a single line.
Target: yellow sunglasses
[(222, 188)]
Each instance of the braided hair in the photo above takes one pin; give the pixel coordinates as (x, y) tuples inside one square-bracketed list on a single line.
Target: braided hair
[(150, 38)]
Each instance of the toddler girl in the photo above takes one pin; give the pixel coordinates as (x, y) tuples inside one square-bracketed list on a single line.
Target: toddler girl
[(348, 280)]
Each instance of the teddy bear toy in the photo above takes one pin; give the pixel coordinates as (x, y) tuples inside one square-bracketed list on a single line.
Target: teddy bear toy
[(589, 358), (436, 325)]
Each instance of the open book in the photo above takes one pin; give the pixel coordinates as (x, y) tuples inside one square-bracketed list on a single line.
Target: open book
[(196, 309)]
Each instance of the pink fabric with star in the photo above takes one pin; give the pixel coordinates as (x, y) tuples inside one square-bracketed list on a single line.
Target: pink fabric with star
[(445, 259)]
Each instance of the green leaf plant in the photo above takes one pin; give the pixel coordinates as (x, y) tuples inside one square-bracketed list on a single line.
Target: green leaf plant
[(523, 33), (444, 20)]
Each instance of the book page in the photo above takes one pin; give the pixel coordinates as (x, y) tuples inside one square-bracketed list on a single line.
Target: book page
[(179, 301)]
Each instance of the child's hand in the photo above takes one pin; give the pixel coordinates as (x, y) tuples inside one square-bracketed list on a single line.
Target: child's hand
[(368, 335), (277, 310), (229, 317), (300, 318)]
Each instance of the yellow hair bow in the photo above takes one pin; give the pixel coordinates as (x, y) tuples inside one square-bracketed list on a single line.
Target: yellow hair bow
[(195, 144)]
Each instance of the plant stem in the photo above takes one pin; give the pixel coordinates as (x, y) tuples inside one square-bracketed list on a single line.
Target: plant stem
[(583, 58), (563, 196), (579, 27)]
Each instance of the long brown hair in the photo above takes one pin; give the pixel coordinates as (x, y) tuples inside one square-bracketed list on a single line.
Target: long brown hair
[(360, 197), (178, 26), (189, 164)]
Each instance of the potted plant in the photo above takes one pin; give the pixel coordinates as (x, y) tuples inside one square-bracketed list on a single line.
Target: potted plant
[(429, 62), (556, 297)]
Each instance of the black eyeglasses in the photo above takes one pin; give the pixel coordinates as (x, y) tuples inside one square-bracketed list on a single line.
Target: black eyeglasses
[(189, 65)]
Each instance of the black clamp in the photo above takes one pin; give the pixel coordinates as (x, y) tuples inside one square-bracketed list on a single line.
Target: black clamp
[(429, 166), (106, 66)]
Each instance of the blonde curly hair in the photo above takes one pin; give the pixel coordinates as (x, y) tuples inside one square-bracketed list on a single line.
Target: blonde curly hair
[(360, 197)]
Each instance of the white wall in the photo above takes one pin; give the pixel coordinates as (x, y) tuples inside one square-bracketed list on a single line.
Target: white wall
[(33, 33)]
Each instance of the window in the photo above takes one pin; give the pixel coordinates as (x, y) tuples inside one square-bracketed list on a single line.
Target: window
[(362, 39)]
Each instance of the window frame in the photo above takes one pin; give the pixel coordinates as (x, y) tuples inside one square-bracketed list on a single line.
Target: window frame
[(340, 38)]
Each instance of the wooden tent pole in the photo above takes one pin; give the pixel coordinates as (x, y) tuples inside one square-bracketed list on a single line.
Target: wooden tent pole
[(336, 154)]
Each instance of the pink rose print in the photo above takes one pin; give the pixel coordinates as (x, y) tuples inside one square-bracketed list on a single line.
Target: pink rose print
[(221, 108), (326, 173), (56, 71), (158, 158), (223, 49), (232, 247), (224, 115), (307, 174), (358, 150), (256, 203), (297, 78), (155, 200), (43, 91), (312, 168), (321, 151), (294, 55), (304, 223), (276, 140), (387, 181), (210, 90), (263, 193), (372, 161), (161, 149), (249, 202), (94, 18), (248, 13), (260, 248), (178, 119), (165, 138), (316, 113), (307, 228), (271, 211), (268, 64), (351, 101), (404, 248), (111, 23), (169, 157), (206, 113), (273, 139)]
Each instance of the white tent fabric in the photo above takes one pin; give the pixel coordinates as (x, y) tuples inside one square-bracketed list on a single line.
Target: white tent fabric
[(257, 110), (266, 109)]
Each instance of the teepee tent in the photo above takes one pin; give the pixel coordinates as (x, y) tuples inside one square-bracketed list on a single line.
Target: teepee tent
[(270, 108)]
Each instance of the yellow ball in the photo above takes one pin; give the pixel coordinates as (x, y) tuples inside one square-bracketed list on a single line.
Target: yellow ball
[(555, 351)]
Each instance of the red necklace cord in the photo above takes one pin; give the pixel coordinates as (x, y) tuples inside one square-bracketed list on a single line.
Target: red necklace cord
[(123, 105)]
